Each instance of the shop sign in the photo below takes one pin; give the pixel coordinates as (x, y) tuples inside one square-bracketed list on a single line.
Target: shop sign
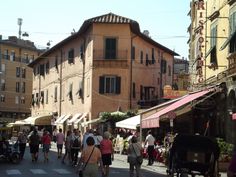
[(234, 116), (200, 7)]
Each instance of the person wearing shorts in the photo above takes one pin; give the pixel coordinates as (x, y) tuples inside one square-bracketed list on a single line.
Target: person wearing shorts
[(46, 141), (107, 153)]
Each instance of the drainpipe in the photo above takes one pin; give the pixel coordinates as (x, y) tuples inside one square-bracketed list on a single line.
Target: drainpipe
[(83, 77), (60, 80), (131, 73)]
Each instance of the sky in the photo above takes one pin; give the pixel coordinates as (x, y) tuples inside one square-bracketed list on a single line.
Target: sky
[(54, 20)]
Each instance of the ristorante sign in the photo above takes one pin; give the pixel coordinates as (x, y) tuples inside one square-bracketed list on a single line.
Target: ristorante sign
[(199, 32)]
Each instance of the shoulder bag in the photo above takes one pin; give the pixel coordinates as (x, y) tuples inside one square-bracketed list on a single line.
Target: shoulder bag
[(139, 159), (82, 170)]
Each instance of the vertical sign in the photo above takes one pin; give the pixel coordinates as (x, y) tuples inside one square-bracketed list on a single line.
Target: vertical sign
[(200, 39)]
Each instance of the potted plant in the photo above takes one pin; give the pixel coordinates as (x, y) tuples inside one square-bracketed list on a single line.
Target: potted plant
[(226, 152)]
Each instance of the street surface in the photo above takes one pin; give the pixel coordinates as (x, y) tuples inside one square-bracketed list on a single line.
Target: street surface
[(54, 168)]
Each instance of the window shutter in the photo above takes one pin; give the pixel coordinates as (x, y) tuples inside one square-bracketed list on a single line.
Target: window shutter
[(118, 84), (141, 92), (101, 84), (133, 53)]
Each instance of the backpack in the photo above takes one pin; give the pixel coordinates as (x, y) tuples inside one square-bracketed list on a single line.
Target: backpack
[(76, 142)]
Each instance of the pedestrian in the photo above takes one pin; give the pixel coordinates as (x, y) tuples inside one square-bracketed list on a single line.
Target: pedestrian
[(149, 141), (99, 138), (34, 140), (54, 135), (67, 147), (22, 140), (46, 142), (75, 147), (60, 138), (231, 172), (88, 133), (107, 151), (134, 151), (90, 158)]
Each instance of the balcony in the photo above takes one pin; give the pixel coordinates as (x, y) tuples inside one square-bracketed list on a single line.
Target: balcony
[(144, 104), (119, 60), (232, 64)]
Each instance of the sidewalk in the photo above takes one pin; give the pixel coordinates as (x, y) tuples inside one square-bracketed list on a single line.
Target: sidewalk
[(156, 167)]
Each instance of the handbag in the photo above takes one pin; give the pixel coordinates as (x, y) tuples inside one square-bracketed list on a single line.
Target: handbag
[(82, 169), (139, 159)]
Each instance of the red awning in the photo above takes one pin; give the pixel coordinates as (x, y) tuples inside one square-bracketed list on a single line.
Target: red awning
[(153, 120)]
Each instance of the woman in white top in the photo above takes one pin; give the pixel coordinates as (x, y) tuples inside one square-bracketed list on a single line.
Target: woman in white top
[(134, 150)]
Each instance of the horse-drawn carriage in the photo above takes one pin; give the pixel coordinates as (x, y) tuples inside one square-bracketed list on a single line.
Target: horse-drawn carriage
[(193, 155)]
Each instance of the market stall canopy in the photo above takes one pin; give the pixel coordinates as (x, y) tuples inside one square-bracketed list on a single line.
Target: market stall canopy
[(93, 121), (66, 117), (153, 120), (39, 120), (59, 119), (79, 119), (130, 123)]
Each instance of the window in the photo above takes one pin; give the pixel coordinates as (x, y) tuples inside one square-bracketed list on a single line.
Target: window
[(55, 94), (213, 59), (37, 98), (25, 59), (3, 85), (17, 71), (110, 48), (232, 44), (134, 92), (22, 100), (56, 63), (12, 55), (70, 94), (147, 61), (5, 55), (42, 97), (163, 66), (2, 98), (17, 99), (153, 56), (22, 87), (42, 70), (159, 56), (169, 70), (3, 68), (18, 87), (71, 56), (109, 84), (47, 67), (141, 57), (133, 53), (141, 92), (23, 71)]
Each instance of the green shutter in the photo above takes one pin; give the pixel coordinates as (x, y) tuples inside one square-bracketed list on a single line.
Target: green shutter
[(118, 84), (101, 84)]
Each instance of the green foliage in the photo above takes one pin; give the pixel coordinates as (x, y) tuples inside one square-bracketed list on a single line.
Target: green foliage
[(226, 149)]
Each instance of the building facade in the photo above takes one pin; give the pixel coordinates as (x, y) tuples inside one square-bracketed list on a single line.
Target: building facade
[(212, 57), (15, 78), (107, 65)]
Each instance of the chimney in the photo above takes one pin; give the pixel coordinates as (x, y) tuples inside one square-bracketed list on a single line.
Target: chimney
[(12, 38), (146, 33)]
